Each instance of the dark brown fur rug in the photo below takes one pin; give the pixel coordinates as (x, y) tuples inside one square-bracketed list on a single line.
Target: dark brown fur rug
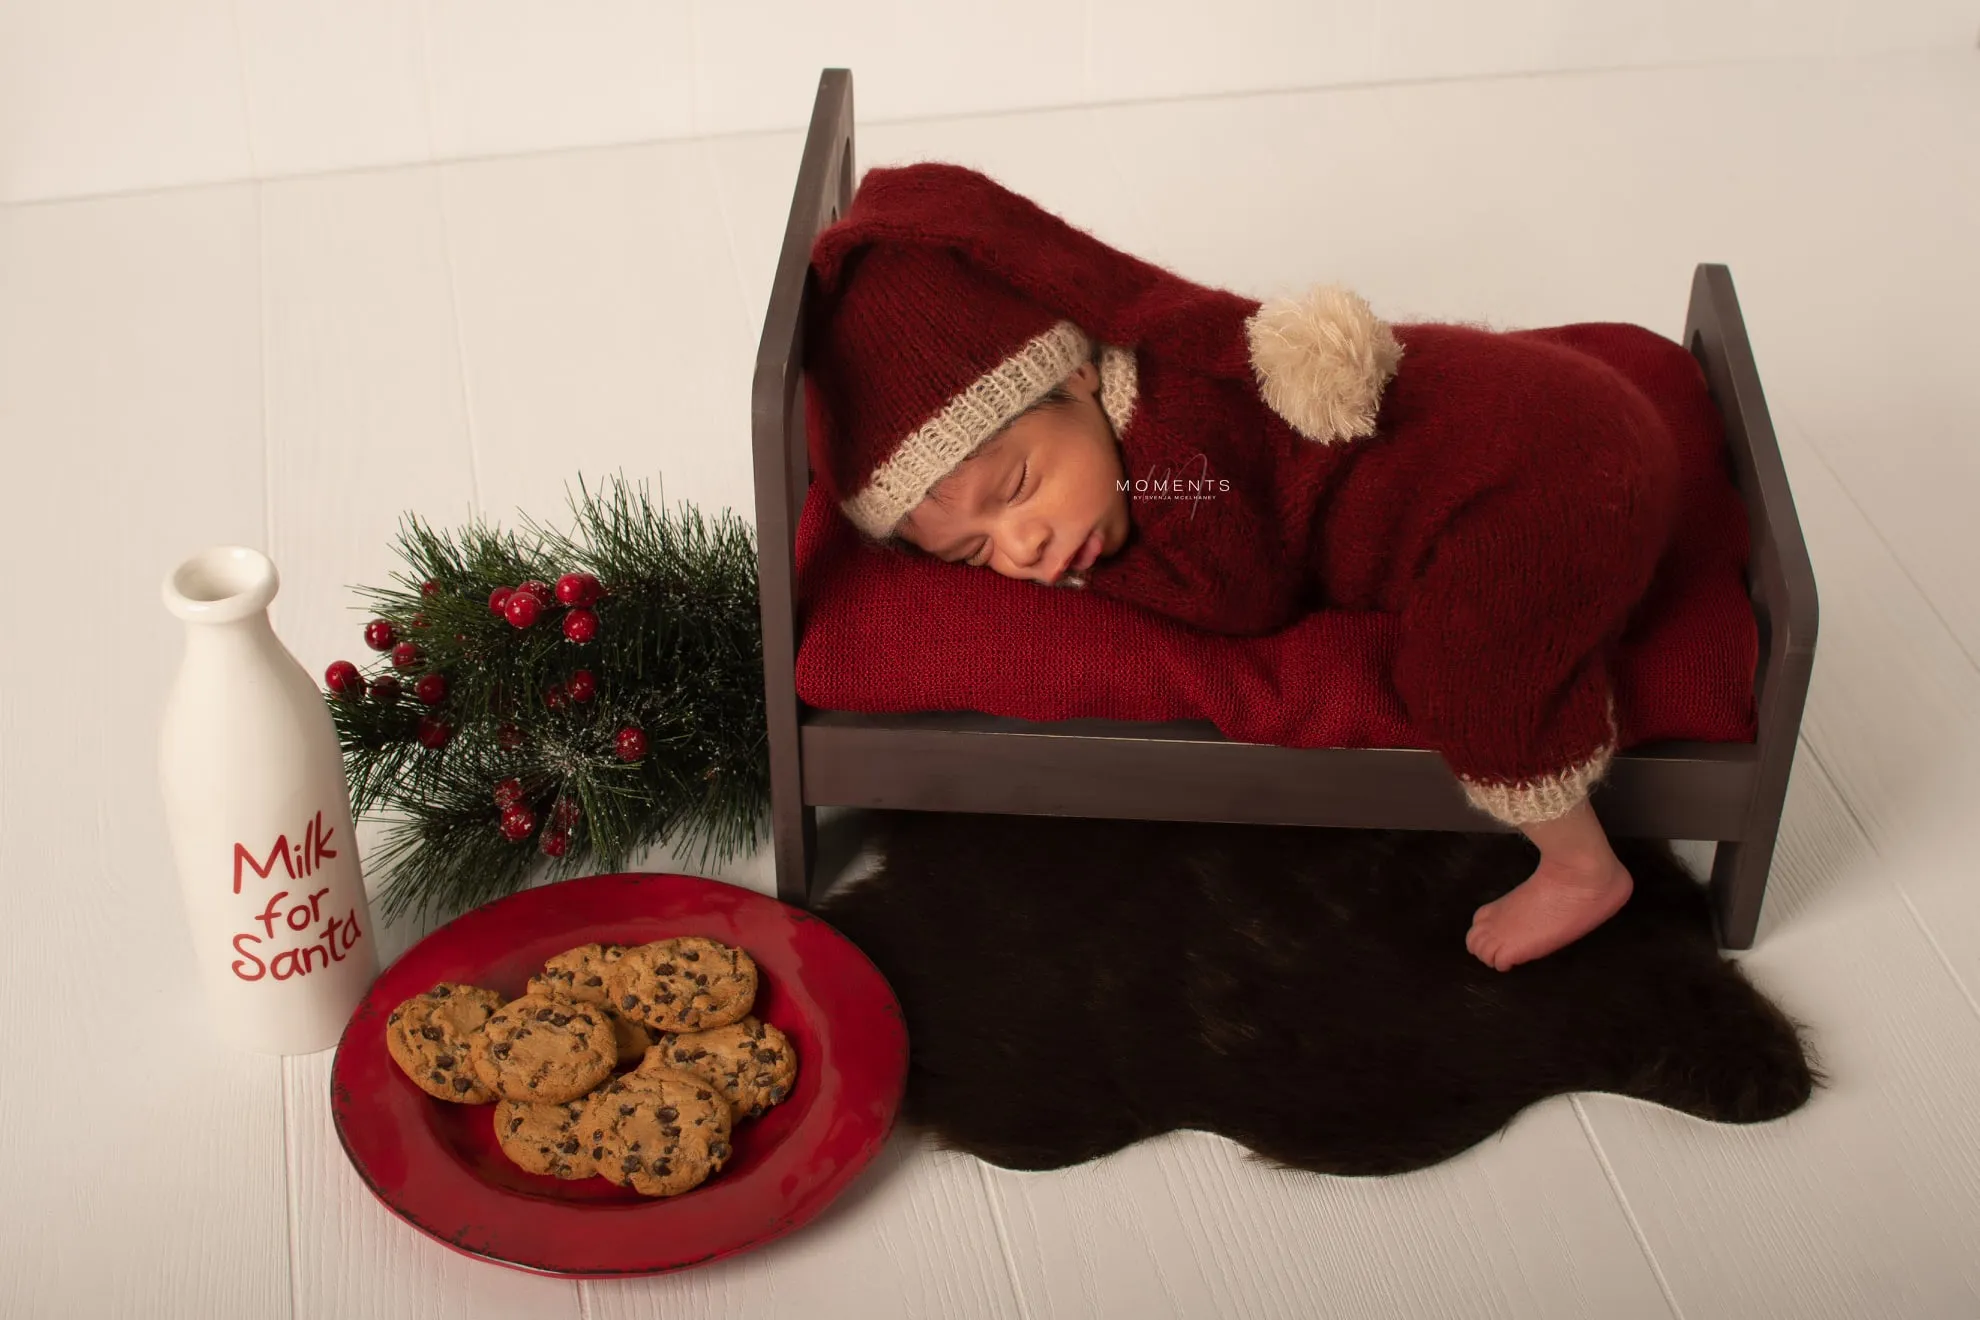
[(1072, 986)]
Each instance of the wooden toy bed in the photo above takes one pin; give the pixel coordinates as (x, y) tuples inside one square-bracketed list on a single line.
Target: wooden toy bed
[(1729, 793)]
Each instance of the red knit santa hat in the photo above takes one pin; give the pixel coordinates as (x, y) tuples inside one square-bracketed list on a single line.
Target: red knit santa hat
[(948, 304), (917, 363)]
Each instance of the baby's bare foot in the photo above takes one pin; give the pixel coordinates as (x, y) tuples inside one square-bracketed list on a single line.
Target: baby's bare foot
[(1556, 906)]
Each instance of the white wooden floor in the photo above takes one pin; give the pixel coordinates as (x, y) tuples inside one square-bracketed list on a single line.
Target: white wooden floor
[(292, 364)]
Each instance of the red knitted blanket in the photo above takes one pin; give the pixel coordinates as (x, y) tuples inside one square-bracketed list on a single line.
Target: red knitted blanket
[(886, 632)]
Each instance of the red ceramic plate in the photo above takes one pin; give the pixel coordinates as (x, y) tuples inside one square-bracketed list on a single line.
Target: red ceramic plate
[(436, 1165)]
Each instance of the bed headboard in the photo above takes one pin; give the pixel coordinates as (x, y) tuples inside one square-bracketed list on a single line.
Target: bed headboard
[(782, 463)]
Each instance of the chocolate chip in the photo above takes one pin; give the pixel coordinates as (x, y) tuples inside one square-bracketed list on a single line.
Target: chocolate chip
[(438, 1076), (665, 997), (666, 969), (663, 1166), (767, 1056), (667, 1113), (594, 980), (432, 1033), (597, 1152), (443, 1060), (500, 1051), (439, 992), (690, 955), (392, 1017), (561, 1020), (568, 1145), (521, 1032), (777, 1093), (634, 1146), (630, 1001), (629, 1165), (587, 1020), (719, 1149), (545, 1014), (670, 1131), (703, 1095), (514, 1123), (626, 1111)]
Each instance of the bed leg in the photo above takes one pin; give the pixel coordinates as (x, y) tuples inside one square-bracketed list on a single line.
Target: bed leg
[(796, 846), (1739, 882)]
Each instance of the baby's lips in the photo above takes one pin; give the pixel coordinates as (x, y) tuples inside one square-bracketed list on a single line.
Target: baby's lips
[(1089, 552)]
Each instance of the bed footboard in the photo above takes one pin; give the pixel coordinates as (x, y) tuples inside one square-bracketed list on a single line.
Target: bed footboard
[(1781, 582)]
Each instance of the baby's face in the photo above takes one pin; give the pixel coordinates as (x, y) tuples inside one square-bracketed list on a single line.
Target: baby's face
[(1040, 498)]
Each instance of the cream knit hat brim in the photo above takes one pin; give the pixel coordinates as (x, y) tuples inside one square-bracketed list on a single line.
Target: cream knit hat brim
[(965, 422)]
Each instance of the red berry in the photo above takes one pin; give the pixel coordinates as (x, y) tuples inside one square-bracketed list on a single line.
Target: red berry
[(571, 589), (419, 619), (498, 598), (541, 590), (580, 686), (405, 655), (556, 843), (508, 793), (630, 745), (385, 688), (565, 813), (431, 689), (429, 588), (521, 608), (342, 678), (434, 732), (508, 737), (518, 822), (554, 696), (379, 636), (580, 626)]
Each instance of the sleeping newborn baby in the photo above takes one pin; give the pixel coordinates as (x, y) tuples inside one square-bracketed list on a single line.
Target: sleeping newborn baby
[(992, 387)]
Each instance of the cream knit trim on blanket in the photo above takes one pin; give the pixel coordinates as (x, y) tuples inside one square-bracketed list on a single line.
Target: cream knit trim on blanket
[(984, 408), (1543, 799), (1550, 796)]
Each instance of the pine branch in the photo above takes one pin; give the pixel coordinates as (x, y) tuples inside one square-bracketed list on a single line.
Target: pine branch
[(677, 656)]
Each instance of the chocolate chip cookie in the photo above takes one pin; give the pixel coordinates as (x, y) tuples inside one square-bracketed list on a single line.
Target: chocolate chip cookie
[(685, 984), (579, 976), (544, 1050), (660, 1132), (544, 1138), (429, 1036), (750, 1062)]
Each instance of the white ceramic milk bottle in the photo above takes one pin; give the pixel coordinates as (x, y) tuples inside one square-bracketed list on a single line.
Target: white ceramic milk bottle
[(260, 818)]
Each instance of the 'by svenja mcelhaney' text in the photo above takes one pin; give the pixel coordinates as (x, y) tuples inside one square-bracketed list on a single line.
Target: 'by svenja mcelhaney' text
[(330, 940)]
